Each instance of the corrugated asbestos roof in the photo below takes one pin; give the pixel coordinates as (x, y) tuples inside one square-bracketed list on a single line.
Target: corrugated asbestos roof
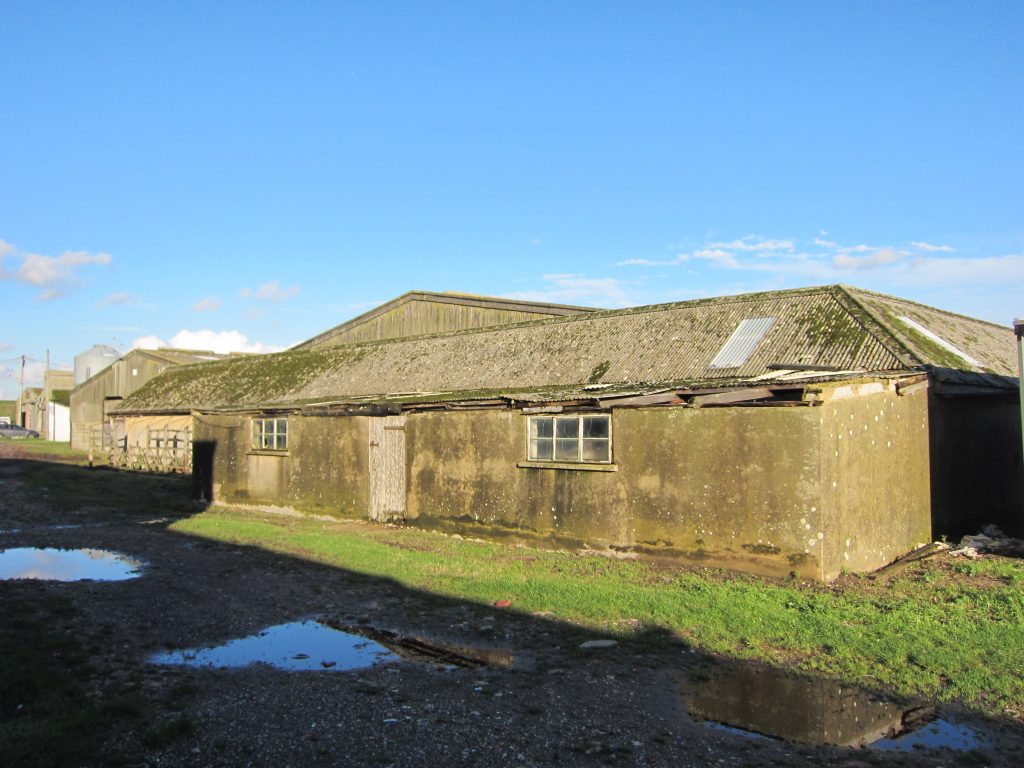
[(836, 327)]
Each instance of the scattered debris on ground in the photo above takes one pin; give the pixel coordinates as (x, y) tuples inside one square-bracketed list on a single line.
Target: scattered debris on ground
[(991, 541)]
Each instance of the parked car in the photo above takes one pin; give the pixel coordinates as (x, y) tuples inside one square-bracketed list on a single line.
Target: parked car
[(15, 432)]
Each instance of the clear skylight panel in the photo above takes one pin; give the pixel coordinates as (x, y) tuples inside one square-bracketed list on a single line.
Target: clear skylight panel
[(741, 344)]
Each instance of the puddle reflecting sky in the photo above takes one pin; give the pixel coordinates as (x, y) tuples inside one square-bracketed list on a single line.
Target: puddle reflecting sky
[(67, 564), (300, 645), (760, 701), (938, 733)]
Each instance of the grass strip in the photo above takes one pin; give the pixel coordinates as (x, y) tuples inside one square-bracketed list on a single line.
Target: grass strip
[(947, 631)]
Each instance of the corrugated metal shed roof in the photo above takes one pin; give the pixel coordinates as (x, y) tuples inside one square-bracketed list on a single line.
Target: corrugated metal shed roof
[(835, 327), (492, 310)]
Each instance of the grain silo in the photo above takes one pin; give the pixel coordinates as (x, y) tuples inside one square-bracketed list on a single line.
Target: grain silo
[(93, 360)]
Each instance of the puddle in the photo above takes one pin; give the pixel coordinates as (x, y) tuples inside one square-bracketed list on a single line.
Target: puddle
[(300, 645), (67, 564), (760, 702), (938, 733), (326, 646)]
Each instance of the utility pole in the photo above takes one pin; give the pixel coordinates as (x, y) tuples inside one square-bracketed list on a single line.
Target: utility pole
[(1018, 327), (48, 431), (21, 391)]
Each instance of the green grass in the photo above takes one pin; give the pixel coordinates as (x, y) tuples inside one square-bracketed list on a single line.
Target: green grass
[(48, 450), (104, 493), (944, 630)]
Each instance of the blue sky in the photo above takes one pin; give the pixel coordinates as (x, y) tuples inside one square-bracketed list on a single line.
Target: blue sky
[(247, 175)]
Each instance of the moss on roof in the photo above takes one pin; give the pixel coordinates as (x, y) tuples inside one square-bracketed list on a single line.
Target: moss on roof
[(833, 326)]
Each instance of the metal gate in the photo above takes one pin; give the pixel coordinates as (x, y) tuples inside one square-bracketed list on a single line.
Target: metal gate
[(387, 467)]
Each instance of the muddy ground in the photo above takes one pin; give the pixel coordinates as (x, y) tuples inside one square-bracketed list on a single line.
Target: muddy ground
[(543, 701)]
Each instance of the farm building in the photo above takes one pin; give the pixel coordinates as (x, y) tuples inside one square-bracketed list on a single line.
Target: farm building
[(92, 428), (805, 431), (45, 409), (421, 312)]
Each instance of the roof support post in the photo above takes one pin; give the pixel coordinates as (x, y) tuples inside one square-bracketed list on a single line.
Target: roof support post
[(1018, 328)]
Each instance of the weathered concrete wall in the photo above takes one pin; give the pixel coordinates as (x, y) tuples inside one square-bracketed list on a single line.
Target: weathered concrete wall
[(462, 470), (805, 490), (324, 470), (734, 485), (874, 477), (977, 473), (731, 487)]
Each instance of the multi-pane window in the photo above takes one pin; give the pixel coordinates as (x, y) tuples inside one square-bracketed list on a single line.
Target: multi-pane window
[(579, 437), (270, 434)]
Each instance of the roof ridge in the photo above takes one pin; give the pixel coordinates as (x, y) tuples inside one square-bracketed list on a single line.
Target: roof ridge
[(599, 313), (876, 325)]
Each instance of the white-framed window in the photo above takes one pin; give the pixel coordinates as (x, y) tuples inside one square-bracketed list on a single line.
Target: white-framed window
[(270, 434), (581, 437)]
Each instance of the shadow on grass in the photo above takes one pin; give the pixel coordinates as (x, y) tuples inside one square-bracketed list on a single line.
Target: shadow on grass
[(58, 705)]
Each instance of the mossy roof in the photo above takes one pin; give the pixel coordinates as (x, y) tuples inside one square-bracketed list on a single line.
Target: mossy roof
[(834, 326)]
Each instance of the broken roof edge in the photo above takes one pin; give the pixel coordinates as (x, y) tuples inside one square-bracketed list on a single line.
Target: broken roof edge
[(977, 379), (446, 297), (603, 397)]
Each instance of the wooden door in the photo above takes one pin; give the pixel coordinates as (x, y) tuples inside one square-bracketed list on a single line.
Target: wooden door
[(387, 467)]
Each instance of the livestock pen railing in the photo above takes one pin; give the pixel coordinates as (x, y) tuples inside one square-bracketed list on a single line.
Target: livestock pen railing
[(150, 450)]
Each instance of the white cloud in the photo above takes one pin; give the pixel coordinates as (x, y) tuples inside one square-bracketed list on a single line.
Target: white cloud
[(824, 261), (577, 289), (997, 270), (122, 297), (215, 341), (717, 256), (56, 275), (916, 269), (148, 342), (878, 258), (653, 262), (209, 304), (929, 247), (720, 256), (5, 347), (40, 270), (270, 292), (754, 244)]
